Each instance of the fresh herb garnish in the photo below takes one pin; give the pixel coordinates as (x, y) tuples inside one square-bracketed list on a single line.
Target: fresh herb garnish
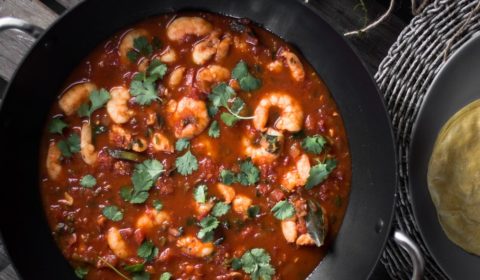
[(143, 178), (186, 164), (166, 276), (141, 47), (320, 172), (138, 267), (147, 250), (69, 146), (143, 86), (112, 213), (246, 80), (227, 177), (283, 210), (200, 193), (222, 95), (208, 225), (255, 262), (182, 144), (143, 275), (253, 211), (98, 98), (88, 181), (249, 173), (220, 209), (57, 125), (81, 272), (214, 130), (157, 204), (314, 144)]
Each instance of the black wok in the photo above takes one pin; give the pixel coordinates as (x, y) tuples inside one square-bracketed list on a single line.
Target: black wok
[(39, 78)]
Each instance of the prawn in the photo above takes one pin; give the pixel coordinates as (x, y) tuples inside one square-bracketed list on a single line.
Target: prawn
[(291, 115), (54, 168), (298, 176), (183, 26), (87, 149), (192, 246), (117, 106), (75, 96), (127, 43), (189, 117)]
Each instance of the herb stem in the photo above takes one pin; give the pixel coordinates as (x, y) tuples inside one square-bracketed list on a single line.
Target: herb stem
[(113, 268), (238, 116)]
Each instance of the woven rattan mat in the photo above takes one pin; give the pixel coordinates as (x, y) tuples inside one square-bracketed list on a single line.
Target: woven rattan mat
[(404, 77)]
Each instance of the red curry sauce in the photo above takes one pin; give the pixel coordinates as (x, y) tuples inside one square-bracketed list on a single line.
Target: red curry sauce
[(173, 208)]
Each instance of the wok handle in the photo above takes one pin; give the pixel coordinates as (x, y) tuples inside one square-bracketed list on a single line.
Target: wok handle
[(7, 23), (413, 251)]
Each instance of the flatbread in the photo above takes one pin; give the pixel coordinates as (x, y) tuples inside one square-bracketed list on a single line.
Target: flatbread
[(454, 178)]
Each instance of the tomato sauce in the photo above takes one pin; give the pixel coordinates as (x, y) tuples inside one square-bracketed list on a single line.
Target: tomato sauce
[(76, 213)]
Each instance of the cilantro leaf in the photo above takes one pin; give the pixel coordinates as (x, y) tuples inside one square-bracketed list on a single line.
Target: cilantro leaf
[(83, 110), (138, 267), (221, 94), (88, 181), (69, 146), (186, 164), (147, 250), (139, 197), (253, 211), (166, 276), (250, 83), (283, 210), (143, 89), (57, 125), (220, 209), (214, 130), (319, 173), (229, 119), (182, 144), (236, 264), (143, 275), (227, 177), (98, 98), (132, 55), (314, 144), (112, 213), (81, 272), (142, 181), (256, 262), (208, 224), (249, 173), (152, 166), (246, 80), (200, 193), (142, 45), (157, 69), (126, 193), (157, 204)]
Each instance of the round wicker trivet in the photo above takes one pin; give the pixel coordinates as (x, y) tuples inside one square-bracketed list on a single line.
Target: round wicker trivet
[(404, 77)]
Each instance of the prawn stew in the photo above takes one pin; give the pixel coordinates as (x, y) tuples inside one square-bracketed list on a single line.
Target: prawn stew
[(194, 146)]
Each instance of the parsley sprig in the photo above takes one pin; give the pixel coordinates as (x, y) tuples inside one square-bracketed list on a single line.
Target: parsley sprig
[(57, 125), (314, 144)]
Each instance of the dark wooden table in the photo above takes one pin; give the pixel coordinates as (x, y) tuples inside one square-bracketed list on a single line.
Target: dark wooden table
[(343, 15)]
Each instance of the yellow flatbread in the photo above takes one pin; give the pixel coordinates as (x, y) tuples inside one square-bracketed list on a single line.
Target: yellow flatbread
[(454, 178)]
